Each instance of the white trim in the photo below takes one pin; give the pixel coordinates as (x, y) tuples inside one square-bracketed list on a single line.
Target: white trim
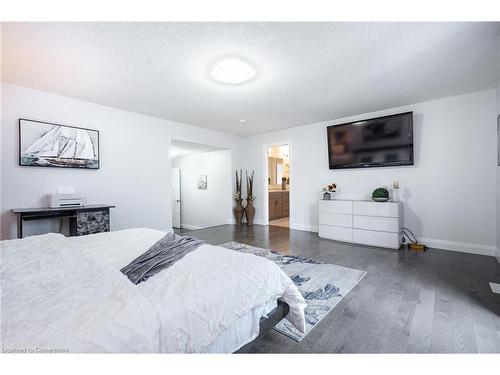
[(255, 221), (304, 227), (259, 222), (190, 227), (265, 195), (463, 247)]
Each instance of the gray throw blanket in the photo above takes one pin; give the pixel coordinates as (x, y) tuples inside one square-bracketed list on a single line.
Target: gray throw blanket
[(160, 256)]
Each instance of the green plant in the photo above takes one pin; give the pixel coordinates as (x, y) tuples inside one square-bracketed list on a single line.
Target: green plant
[(380, 193)]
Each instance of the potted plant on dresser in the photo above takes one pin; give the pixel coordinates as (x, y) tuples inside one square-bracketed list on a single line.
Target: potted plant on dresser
[(328, 191), (380, 194)]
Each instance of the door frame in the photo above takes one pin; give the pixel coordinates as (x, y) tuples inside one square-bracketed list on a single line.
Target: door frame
[(265, 195), (180, 199)]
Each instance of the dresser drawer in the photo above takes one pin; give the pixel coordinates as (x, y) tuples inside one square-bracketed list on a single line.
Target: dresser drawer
[(276, 195), (336, 233), (386, 224), (341, 220), (387, 209), (374, 238), (338, 207)]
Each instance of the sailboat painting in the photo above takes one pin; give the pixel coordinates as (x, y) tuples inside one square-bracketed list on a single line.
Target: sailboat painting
[(44, 144)]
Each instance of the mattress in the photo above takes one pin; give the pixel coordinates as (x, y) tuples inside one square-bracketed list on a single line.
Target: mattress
[(242, 331)]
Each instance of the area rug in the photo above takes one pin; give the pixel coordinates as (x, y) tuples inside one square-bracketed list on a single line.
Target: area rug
[(323, 285)]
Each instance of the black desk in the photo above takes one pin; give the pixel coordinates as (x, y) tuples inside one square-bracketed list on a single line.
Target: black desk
[(82, 220)]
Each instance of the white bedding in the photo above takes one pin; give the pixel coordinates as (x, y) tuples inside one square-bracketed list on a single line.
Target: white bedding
[(69, 293), (56, 298)]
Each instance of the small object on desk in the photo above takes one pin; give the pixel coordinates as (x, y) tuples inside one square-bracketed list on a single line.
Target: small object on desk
[(66, 200), (82, 220)]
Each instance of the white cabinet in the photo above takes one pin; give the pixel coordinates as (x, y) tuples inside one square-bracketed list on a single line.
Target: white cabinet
[(334, 206), (379, 209), (340, 220), (363, 222), (376, 238), (380, 223), (336, 233)]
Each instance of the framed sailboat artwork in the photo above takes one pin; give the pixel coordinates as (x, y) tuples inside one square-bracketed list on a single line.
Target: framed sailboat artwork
[(44, 144)]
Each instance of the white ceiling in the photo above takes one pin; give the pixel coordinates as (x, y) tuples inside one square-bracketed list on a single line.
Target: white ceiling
[(181, 148), (307, 72)]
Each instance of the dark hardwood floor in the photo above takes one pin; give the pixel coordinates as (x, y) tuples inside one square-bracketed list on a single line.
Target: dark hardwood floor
[(433, 302)]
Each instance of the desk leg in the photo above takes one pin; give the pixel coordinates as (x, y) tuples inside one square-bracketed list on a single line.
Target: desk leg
[(72, 226), (19, 226)]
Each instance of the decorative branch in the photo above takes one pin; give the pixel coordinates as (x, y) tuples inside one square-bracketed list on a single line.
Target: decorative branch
[(250, 196), (237, 195)]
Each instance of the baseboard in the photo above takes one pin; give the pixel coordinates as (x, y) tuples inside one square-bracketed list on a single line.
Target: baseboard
[(304, 227), (190, 227), (464, 247), (255, 221)]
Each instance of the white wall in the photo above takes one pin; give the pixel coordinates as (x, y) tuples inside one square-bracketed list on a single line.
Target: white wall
[(210, 207), (450, 192), (135, 161), (498, 178)]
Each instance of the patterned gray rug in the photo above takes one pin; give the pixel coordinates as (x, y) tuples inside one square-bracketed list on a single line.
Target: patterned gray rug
[(323, 285)]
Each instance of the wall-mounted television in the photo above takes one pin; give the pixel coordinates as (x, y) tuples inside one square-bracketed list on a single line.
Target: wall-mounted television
[(377, 142)]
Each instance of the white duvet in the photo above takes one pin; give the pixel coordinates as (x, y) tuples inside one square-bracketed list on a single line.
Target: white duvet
[(68, 293)]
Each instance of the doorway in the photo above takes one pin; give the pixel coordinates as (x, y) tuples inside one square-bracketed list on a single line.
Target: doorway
[(278, 165), (201, 185), (176, 198)]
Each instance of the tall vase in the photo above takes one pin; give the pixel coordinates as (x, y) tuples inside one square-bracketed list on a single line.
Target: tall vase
[(238, 212), (395, 195), (249, 212)]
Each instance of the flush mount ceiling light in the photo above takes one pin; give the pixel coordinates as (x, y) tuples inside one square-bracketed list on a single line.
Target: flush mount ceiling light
[(232, 71)]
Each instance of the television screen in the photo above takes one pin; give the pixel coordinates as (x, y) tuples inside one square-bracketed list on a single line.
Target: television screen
[(377, 142)]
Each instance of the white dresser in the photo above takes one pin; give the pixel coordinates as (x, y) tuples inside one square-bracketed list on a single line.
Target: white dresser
[(363, 222)]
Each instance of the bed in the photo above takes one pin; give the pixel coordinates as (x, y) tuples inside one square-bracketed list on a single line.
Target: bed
[(67, 293)]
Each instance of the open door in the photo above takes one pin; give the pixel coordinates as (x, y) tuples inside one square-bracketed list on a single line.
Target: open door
[(176, 198)]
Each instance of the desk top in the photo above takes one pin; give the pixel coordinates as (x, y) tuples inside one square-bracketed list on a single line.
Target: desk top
[(90, 207)]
